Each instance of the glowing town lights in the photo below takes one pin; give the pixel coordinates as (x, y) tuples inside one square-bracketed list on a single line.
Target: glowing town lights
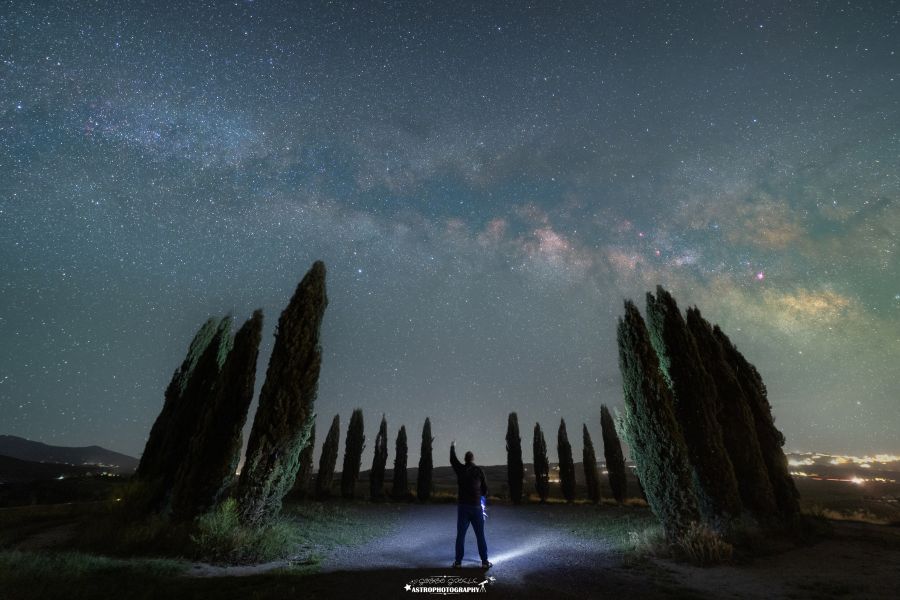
[(857, 480), (809, 458)]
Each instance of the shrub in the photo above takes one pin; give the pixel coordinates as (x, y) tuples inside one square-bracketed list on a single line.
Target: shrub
[(701, 546), (221, 537)]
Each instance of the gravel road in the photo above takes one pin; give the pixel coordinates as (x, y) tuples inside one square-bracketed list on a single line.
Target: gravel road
[(532, 559)]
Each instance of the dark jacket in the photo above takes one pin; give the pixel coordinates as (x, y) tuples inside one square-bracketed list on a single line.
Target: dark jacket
[(469, 479)]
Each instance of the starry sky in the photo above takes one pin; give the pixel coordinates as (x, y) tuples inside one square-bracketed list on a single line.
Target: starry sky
[(486, 182)]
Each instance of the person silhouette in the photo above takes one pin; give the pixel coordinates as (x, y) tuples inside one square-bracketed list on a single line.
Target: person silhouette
[(472, 490)]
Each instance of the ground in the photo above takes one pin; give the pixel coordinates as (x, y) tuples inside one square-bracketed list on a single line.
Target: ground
[(549, 551)]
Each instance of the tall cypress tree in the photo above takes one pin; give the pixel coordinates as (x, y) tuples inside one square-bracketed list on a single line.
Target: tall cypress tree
[(651, 430), (379, 461), (400, 485), (285, 415), (541, 464), (208, 468), (770, 438), (426, 464), (304, 472), (515, 470), (589, 458), (353, 449), (736, 418), (612, 451), (328, 460), (151, 465), (186, 420), (695, 402), (566, 463)]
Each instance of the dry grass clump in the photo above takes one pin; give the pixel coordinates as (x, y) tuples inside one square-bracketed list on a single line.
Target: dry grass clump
[(703, 547)]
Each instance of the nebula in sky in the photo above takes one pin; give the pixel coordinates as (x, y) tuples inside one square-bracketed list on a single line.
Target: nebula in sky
[(486, 181)]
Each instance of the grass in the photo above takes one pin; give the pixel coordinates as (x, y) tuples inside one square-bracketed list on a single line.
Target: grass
[(627, 530), (305, 534)]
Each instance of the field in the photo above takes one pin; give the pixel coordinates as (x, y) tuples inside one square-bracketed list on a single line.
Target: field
[(361, 549)]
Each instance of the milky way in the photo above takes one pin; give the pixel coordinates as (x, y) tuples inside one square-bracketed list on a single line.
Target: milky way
[(486, 183)]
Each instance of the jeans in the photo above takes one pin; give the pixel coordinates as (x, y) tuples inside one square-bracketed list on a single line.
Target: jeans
[(473, 514)]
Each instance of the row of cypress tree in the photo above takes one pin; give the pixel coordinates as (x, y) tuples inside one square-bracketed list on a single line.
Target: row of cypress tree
[(685, 385), (354, 444), (615, 462)]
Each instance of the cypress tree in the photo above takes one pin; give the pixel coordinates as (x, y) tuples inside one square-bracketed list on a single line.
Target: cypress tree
[(379, 461), (612, 451), (770, 438), (515, 470), (651, 430), (589, 458), (151, 465), (209, 467), (328, 459), (695, 403), (400, 485), (353, 448), (736, 418), (304, 473), (541, 464), (186, 420), (566, 463), (423, 479), (285, 415)]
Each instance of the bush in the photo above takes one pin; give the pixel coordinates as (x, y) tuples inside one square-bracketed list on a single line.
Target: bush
[(701, 546), (221, 538)]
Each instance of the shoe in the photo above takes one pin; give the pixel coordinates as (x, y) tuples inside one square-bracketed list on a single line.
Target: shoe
[(487, 565), (457, 565)]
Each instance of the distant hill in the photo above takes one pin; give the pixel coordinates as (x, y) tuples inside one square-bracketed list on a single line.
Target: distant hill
[(28, 450)]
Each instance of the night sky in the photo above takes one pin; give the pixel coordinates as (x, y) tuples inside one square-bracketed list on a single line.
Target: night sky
[(485, 181)]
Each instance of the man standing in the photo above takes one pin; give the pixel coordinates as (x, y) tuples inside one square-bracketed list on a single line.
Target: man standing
[(472, 488)]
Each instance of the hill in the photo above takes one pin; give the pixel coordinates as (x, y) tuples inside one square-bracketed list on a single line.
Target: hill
[(38, 452)]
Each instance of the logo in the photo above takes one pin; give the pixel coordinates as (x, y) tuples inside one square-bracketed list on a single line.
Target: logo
[(449, 584)]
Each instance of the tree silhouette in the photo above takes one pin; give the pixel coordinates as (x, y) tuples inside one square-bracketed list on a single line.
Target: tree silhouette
[(208, 469), (515, 470), (190, 395), (612, 451), (541, 464), (379, 461), (285, 414), (695, 403), (589, 459), (566, 463), (328, 460), (426, 464), (353, 449), (770, 438), (735, 417), (153, 461), (651, 430), (400, 486)]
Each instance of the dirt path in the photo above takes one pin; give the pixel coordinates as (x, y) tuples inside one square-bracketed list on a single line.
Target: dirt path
[(532, 558)]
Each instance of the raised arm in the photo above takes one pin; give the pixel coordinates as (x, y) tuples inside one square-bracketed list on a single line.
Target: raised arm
[(453, 460)]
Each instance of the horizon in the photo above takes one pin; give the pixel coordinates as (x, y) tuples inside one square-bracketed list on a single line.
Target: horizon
[(873, 457)]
